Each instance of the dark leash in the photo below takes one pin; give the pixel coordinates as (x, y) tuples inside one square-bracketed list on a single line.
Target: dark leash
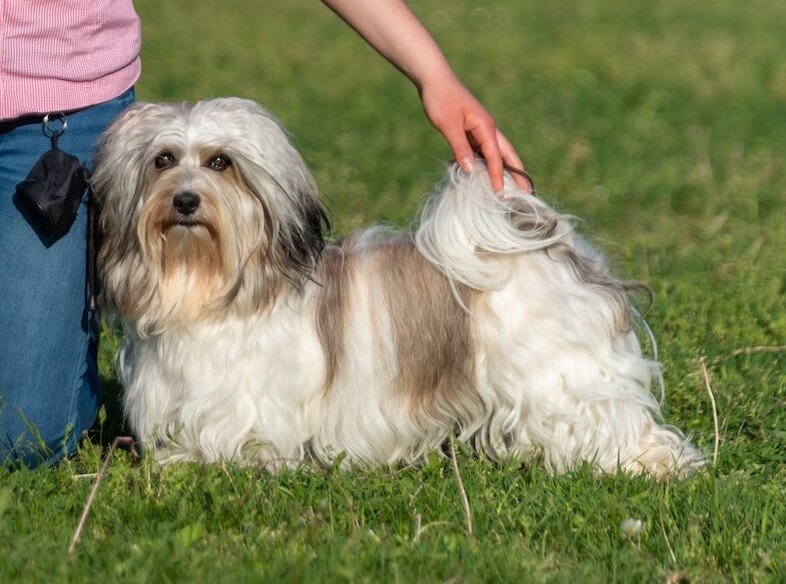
[(521, 172), (92, 250)]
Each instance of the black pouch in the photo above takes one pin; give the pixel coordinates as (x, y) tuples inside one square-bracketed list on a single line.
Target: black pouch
[(53, 189)]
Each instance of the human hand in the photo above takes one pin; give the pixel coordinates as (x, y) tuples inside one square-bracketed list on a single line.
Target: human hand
[(392, 29), (467, 127)]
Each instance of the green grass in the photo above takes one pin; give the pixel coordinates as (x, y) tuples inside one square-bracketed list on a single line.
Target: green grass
[(663, 125)]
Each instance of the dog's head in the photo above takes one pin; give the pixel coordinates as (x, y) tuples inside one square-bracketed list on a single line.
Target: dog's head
[(203, 208)]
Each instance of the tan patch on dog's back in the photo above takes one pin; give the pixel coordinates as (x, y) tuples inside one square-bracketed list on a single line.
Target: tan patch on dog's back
[(332, 276), (431, 332)]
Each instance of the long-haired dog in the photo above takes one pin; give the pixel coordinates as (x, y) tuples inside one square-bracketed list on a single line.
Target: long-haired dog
[(247, 338)]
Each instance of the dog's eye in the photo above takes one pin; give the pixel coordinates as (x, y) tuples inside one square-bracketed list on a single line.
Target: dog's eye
[(219, 163), (164, 160)]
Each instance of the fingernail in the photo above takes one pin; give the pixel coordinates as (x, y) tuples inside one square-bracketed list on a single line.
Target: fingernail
[(467, 163)]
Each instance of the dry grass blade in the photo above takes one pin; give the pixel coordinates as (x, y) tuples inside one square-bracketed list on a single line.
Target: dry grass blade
[(751, 351), (90, 475), (707, 384), (460, 483), (672, 555), (418, 527), (125, 440), (759, 349)]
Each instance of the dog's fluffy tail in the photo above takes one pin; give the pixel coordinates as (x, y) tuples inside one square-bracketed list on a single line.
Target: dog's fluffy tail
[(466, 224)]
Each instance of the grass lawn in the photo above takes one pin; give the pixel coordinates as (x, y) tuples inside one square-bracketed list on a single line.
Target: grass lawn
[(662, 125)]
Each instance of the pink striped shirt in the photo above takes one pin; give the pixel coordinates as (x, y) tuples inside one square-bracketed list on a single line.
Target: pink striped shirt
[(61, 55)]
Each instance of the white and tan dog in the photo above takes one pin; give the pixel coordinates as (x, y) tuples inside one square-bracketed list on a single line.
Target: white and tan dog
[(249, 339)]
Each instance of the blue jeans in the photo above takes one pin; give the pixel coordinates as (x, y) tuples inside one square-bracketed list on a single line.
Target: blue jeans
[(49, 386)]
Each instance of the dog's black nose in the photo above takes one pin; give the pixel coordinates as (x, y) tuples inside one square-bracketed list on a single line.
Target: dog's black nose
[(186, 202)]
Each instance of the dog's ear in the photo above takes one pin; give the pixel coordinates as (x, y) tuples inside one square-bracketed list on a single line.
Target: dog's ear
[(295, 220), (299, 241), (304, 241), (117, 184), (121, 164)]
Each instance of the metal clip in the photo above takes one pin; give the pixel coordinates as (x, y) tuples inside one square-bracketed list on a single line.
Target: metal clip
[(51, 128)]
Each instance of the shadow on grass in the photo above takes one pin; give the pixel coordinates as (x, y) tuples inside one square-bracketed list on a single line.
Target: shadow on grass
[(110, 422)]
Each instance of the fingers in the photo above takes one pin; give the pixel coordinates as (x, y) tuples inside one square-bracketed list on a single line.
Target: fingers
[(462, 150), (481, 132), (498, 151), (512, 160), (469, 128), (486, 136)]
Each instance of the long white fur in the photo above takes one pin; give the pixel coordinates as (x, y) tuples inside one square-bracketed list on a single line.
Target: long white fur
[(555, 374), (573, 385)]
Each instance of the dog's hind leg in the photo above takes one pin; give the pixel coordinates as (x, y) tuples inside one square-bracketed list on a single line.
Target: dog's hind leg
[(570, 383)]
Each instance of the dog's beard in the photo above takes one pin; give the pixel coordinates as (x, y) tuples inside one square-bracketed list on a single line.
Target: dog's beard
[(195, 263), (192, 272)]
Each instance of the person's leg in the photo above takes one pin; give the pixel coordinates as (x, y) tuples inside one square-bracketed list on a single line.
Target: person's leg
[(49, 390)]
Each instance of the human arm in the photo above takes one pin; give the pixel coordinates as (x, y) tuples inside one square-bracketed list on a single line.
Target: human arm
[(391, 28)]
